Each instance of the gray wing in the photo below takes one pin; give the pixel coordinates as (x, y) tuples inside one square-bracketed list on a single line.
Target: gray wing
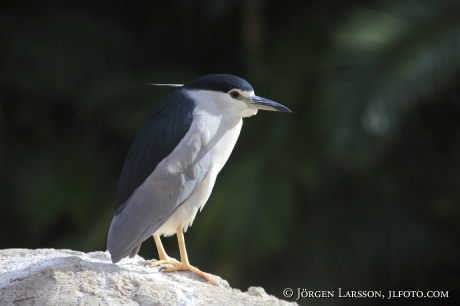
[(160, 134), (152, 203)]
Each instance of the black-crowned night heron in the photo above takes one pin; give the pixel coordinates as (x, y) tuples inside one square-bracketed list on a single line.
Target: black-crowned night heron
[(172, 165)]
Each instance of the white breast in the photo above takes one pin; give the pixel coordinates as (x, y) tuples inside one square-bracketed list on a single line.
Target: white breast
[(215, 128)]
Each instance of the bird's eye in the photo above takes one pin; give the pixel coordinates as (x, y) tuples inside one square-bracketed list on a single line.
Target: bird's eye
[(234, 94)]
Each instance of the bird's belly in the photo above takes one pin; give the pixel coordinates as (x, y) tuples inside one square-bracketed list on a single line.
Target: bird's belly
[(186, 212)]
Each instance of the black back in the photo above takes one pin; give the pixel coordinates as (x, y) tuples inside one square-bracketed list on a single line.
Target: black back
[(165, 127)]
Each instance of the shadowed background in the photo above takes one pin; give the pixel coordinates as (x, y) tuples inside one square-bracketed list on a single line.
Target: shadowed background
[(358, 188)]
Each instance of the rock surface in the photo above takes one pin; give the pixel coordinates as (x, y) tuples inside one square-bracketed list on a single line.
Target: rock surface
[(66, 277)]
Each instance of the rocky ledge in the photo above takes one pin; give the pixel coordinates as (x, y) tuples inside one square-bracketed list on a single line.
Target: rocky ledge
[(66, 277)]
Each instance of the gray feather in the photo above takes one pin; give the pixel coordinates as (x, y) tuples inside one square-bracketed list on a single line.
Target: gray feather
[(153, 203), (163, 130)]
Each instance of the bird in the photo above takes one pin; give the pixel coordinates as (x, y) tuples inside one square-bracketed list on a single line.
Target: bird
[(173, 162)]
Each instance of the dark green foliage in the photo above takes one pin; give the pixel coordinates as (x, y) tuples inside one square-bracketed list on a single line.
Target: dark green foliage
[(358, 188)]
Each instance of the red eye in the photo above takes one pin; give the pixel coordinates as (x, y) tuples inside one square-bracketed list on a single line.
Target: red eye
[(234, 94)]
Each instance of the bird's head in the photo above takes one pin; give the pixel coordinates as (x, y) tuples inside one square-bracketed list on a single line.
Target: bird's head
[(228, 93)]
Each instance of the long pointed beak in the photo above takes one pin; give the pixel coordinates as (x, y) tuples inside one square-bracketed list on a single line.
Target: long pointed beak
[(265, 104)]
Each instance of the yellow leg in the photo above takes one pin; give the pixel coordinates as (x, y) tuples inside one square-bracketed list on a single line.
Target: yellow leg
[(184, 264), (163, 258)]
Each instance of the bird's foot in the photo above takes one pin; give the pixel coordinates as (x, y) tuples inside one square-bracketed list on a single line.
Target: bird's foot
[(169, 260), (188, 267)]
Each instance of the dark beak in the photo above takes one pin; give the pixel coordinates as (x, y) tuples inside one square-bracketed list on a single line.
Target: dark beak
[(265, 104)]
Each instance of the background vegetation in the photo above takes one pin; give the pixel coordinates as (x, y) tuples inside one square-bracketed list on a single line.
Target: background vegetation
[(358, 188)]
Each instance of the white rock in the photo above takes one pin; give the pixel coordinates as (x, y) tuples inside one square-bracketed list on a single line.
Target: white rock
[(66, 277)]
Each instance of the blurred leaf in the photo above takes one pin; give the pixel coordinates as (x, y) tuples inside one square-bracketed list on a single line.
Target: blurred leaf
[(384, 62), (61, 53), (250, 208), (64, 184)]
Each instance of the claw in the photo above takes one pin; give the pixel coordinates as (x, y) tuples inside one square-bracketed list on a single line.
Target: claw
[(169, 261), (183, 265), (187, 267)]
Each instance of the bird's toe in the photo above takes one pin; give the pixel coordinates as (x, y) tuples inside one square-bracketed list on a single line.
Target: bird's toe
[(187, 267), (169, 261)]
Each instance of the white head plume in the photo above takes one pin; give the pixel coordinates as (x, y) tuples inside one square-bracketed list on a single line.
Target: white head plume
[(169, 85)]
